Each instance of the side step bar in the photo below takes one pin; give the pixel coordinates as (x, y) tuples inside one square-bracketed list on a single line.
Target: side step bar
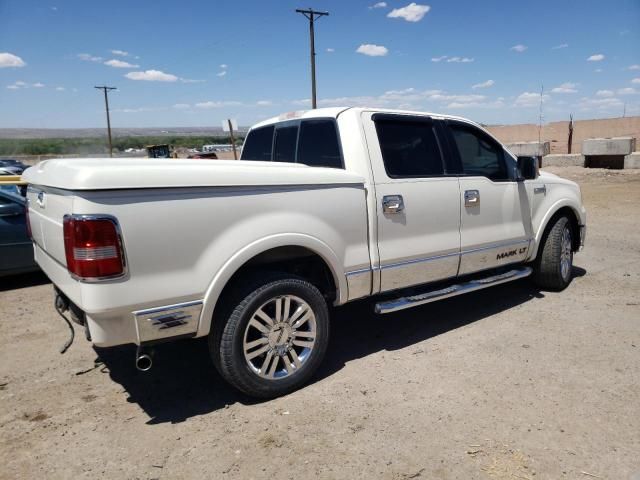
[(402, 303)]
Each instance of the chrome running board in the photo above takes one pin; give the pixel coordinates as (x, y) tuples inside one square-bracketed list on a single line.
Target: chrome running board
[(401, 303)]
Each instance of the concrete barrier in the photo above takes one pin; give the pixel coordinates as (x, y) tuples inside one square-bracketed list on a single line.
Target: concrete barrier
[(608, 146), (563, 160), (632, 160), (529, 149)]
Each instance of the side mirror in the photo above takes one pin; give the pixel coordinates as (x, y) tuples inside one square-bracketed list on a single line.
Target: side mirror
[(527, 168)]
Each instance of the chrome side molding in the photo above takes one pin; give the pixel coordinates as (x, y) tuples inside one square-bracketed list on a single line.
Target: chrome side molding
[(168, 321), (402, 303)]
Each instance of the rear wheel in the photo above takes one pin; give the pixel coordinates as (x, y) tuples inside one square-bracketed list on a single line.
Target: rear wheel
[(554, 266), (274, 338)]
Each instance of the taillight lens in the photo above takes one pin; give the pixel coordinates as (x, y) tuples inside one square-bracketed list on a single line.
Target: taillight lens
[(93, 247)]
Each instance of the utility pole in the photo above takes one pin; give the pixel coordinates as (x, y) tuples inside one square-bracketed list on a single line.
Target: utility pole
[(312, 15), (106, 90), (233, 140), (570, 140)]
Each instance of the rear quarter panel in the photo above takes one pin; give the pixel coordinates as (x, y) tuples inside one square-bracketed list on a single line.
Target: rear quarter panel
[(183, 244)]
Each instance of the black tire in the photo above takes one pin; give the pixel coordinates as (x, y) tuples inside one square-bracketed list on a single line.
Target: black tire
[(549, 272), (227, 341)]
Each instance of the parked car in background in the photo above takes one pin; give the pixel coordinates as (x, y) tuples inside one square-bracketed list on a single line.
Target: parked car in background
[(16, 250), (203, 155), (15, 167)]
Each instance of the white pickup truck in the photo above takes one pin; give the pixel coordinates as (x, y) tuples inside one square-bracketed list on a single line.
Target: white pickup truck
[(325, 207)]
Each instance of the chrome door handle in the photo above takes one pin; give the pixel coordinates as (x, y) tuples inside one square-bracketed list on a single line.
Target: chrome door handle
[(542, 189), (392, 204), (471, 198)]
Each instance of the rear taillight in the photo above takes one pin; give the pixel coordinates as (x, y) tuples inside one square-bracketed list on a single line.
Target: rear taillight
[(93, 247)]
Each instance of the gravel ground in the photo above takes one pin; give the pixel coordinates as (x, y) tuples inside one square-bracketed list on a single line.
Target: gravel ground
[(509, 383)]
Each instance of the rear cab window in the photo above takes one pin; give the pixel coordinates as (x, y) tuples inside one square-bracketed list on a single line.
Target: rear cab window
[(258, 144), (312, 142)]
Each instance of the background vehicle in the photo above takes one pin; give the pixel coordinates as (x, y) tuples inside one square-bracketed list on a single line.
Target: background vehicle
[(16, 167), (203, 155), (325, 207), (158, 151), (16, 250)]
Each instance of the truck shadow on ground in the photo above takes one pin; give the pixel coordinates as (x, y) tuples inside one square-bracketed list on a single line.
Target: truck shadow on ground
[(183, 382)]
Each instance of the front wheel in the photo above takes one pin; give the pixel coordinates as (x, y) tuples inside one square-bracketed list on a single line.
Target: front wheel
[(274, 338), (554, 266)]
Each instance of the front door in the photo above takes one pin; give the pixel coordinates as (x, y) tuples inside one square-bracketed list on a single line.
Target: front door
[(494, 207), (418, 201)]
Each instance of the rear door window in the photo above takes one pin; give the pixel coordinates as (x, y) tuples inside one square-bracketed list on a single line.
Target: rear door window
[(409, 149), (258, 144), (318, 144), (284, 149)]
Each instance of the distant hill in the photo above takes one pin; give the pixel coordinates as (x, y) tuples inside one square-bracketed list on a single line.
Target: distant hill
[(116, 132)]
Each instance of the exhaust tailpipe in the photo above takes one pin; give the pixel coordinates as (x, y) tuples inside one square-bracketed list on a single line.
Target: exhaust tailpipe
[(144, 362)]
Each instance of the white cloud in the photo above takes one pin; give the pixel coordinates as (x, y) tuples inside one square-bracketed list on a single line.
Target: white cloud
[(10, 60), (411, 13), (38, 85), (20, 83), (438, 59), (635, 80), (378, 5), (566, 87), (634, 67), (220, 104), (372, 50), (460, 60), (13, 87), (599, 103), (120, 64), (152, 76), (598, 57), (61, 89), (487, 84), (264, 103), (558, 47), (519, 48), (122, 53), (627, 91), (222, 73), (190, 80), (223, 66), (87, 57), (598, 70), (181, 106), (331, 50), (604, 93), (530, 99)]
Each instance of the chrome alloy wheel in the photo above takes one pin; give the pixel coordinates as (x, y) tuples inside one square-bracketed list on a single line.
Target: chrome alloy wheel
[(279, 337), (566, 254)]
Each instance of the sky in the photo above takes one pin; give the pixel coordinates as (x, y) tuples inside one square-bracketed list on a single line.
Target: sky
[(195, 63)]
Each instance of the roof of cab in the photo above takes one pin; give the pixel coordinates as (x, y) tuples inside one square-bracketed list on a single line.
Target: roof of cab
[(333, 112)]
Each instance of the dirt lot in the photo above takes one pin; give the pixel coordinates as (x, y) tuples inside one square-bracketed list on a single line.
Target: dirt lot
[(510, 383)]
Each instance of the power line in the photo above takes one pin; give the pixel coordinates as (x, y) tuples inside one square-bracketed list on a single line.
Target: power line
[(106, 90), (312, 15)]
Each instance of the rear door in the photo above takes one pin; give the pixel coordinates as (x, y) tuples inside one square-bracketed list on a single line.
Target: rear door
[(494, 207), (418, 200)]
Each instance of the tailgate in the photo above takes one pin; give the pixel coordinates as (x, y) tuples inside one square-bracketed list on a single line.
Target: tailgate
[(47, 207)]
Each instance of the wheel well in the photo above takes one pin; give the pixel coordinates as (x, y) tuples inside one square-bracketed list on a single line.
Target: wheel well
[(298, 261), (573, 221)]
